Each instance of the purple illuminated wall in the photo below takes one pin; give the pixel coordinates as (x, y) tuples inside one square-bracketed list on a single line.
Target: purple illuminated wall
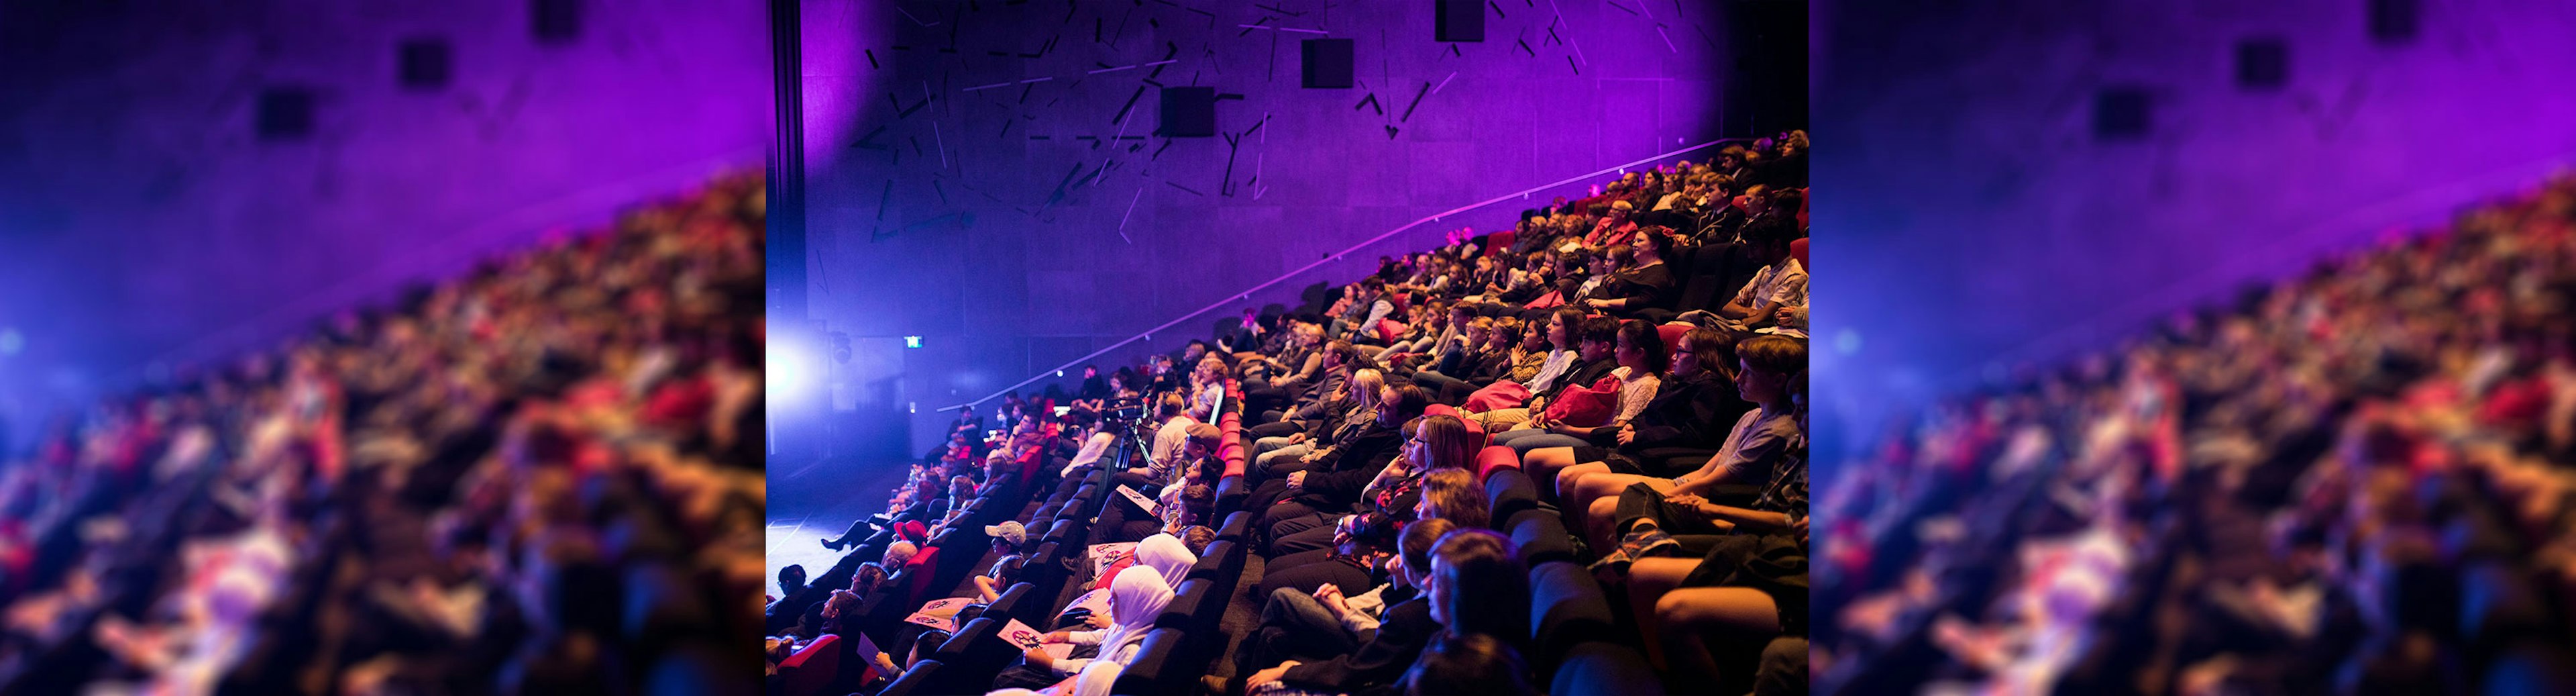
[(1979, 222), (143, 220), (987, 176)]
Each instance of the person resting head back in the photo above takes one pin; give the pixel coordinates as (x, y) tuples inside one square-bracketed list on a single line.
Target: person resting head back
[(899, 553), (791, 579)]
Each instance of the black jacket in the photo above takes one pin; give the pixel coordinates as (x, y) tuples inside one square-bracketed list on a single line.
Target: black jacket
[(1401, 636), (1695, 412), (1335, 480), (1651, 286)]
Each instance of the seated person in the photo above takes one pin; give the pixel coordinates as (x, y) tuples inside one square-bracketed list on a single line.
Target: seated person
[(1699, 394), (1753, 447), (1324, 624)]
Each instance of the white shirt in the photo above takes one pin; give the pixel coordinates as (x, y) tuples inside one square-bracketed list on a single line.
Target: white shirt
[(1556, 365), (1635, 391), (1166, 452), (1783, 283)]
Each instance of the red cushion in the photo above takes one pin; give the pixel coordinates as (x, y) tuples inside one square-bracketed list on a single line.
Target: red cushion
[(1586, 407), (1499, 395), (1672, 334), (1475, 429), (813, 667), (1798, 250), (921, 565), (1495, 243), (1388, 329), (1494, 458)]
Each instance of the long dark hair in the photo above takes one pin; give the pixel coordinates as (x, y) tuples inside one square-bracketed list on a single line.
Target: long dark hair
[(1644, 336)]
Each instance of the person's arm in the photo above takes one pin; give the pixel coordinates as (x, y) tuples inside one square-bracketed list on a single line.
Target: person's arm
[(1731, 516), (1377, 312), (1399, 642)]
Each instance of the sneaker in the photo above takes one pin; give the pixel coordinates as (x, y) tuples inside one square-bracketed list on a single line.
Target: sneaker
[(827, 543), (1615, 563), (1648, 543)]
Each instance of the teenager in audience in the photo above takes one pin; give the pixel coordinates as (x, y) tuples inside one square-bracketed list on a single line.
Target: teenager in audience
[(1753, 448), (1596, 338), (1780, 284), (1639, 353), (1699, 394)]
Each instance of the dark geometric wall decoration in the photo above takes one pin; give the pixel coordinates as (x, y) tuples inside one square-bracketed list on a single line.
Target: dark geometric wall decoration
[(2122, 113), (555, 21), (424, 64), (2263, 63), (1460, 20), (1325, 63), (2395, 21), (1188, 112), (285, 113)]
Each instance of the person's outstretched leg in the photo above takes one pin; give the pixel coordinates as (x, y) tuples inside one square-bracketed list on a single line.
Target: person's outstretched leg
[(858, 529), (1690, 615)]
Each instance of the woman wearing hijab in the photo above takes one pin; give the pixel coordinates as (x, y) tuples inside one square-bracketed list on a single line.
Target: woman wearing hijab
[(1136, 598), (1166, 554)]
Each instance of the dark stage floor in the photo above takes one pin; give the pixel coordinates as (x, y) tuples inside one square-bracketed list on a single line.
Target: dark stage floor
[(818, 500)]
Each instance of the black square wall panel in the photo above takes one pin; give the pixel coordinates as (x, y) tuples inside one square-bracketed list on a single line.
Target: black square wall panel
[(1188, 112), (1327, 63)]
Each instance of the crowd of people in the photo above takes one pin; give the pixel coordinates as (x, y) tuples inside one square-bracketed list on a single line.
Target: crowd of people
[(1568, 457), (2351, 481), (544, 477)]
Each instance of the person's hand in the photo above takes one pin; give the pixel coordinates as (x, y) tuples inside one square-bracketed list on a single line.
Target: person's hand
[(1331, 597), (1687, 500), (1268, 675), (1038, 658), (1296, 437), (1096, 620), (1297, 480), (1627, 433)]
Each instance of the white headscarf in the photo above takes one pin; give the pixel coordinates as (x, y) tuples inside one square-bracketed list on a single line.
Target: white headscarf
[(1136, 598), (1098, 678), (1166, 555)]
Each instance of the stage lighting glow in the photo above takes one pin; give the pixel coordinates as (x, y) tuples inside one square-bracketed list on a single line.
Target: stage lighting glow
[(786, 371), (912, 341), (11, 341)]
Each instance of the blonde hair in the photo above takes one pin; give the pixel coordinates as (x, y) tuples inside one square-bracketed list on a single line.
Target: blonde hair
[(1367, 380)]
